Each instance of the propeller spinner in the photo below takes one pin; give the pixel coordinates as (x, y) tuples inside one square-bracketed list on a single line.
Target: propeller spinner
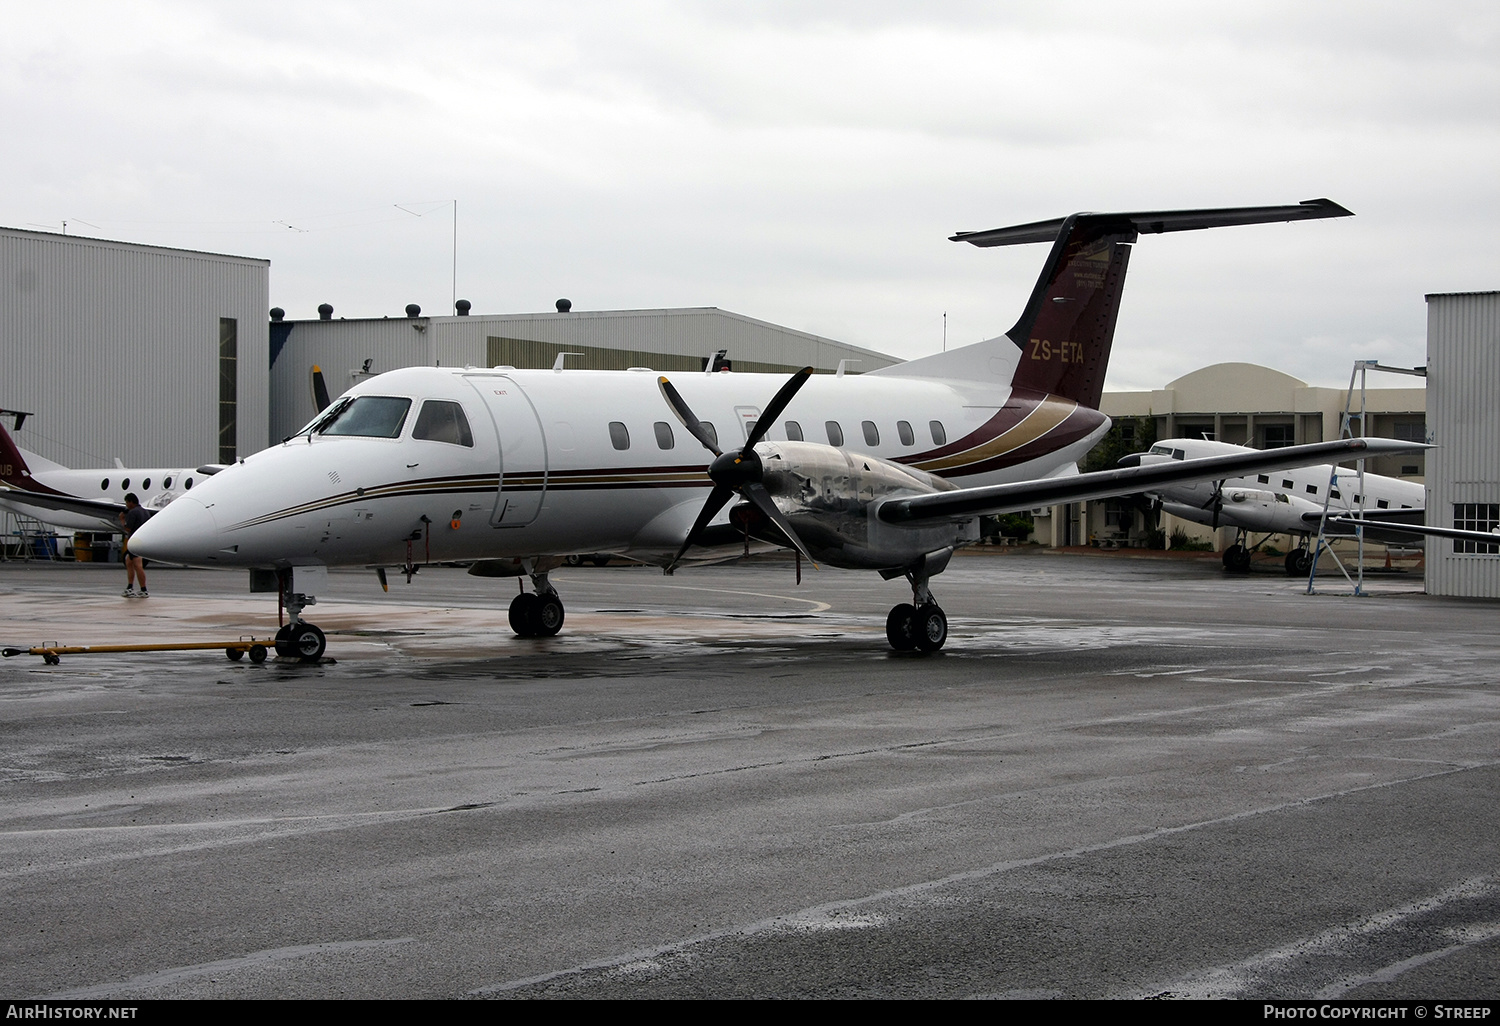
[(738, 471)]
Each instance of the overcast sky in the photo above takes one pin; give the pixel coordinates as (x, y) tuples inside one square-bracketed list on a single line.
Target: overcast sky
[(801, 162)]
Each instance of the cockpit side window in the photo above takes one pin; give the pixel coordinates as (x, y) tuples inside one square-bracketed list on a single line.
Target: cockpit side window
[(370, 416), (1162, 450), (442, 420)]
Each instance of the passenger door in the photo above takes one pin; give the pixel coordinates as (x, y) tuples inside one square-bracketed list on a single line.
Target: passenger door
[(521, 478)]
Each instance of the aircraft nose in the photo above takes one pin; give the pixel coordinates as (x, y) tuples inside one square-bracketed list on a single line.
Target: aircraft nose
[(184, 532)]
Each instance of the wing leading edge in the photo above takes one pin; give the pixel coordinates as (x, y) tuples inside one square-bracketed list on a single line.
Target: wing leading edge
[(1008, 498)]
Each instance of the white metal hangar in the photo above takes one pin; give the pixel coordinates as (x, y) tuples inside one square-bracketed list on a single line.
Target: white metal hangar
[(151, 355), (664, 340), (1463, 473)]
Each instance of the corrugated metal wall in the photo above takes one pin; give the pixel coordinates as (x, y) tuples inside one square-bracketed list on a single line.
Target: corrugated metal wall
[(1463, 418), (115, 348), (609, 339)]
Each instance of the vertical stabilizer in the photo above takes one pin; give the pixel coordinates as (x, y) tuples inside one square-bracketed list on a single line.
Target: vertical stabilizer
[(1068, 325), (13, 468)]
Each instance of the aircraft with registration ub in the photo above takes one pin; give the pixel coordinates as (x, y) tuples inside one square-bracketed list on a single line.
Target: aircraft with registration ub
[(83, 499), (1282, 500), (512, 470)]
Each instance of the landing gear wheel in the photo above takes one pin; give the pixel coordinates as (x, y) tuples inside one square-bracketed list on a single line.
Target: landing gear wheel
[(1298, 563), (1237, 559), (900, 627), (235, 654), (283, 642), (523, 614), (546, 616), (308, 642), (931, 627), (257, 654)]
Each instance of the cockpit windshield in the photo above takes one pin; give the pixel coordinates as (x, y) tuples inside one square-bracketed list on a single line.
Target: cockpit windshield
[(369, 416)]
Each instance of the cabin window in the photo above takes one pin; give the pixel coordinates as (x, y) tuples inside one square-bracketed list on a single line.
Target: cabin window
[(1264, 479), (872, 433), (618, 436), (711, 431), (1335, 493), (1288, 483), (370, 416), (104, 485), (1359, 500), (939, 436), (166, 482), (664, 437), (146, 484), (1382, 504), (793, 431), (188, 483), (125, 483), (835, 433), (1312, 489), (442, 420), (903, 429)]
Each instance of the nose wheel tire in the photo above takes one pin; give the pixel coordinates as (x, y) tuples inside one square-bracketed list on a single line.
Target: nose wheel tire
[(308, 642), (536, 616), (931, 627), (900, 627)]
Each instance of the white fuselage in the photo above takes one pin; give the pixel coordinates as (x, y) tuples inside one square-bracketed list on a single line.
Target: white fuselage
[(1275, 502), (154, 487), (581, 461)]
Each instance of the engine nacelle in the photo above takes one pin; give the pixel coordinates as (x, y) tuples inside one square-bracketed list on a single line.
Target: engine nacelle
[(829, 495)]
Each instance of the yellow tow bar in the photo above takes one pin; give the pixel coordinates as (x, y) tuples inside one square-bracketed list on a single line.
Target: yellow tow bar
[(235, 650)]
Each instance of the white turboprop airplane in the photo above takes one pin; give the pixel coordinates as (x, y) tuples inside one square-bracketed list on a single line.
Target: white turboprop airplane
[(1282, 501), (83, 499), (512, 470)]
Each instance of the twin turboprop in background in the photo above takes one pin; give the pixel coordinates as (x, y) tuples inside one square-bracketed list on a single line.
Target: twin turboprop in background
[(1284, 501), (511, 470), (83, 499)]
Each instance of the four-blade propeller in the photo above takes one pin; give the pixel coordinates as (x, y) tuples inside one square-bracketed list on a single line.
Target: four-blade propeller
[(738, 471)]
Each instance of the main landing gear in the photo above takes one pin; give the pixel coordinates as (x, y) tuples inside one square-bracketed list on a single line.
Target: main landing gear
[(538, 614), (1237, 556), (1299, 562), (298, 639), (919, 624)]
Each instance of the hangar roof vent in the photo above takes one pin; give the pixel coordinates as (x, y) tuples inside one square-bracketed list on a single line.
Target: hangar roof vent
[(413, 310), (277, 313), (564, 305), (463, 306), (325, 311)]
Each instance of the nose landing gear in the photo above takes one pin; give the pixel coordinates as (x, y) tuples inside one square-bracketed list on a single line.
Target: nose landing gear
[(298, 639)]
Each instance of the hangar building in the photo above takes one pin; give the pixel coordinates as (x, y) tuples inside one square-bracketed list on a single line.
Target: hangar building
[(1463, 479), (151, 355), (664, 340)]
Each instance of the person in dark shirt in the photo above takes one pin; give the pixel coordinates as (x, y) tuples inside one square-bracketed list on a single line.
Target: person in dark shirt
[(135, 569)]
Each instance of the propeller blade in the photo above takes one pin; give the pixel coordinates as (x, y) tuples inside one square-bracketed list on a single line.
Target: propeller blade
[(756, 493), (777, 404), (320, 390), (716, 500), (1218, 502), (689, 421)]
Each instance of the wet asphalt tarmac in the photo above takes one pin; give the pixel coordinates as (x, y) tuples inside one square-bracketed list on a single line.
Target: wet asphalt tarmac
[(1122, 778)]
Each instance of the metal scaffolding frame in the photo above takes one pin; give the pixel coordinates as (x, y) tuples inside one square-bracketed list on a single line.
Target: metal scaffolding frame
[(1346, 430)]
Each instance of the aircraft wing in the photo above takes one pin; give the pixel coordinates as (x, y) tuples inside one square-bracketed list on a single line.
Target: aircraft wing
[(1008, 498), (107, 512), (1385, 527)]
